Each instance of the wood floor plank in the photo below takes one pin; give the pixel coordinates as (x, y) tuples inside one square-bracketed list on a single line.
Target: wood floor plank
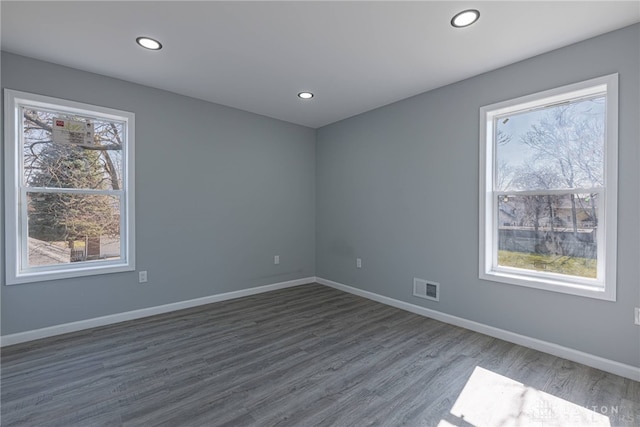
[(303, 356)]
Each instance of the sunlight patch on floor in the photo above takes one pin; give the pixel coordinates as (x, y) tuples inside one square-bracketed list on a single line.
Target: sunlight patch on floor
[(490, 399)]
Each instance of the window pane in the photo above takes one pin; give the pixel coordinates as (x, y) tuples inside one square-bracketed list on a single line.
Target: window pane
[(552, 233), (96, 164), (557, 147), (65, 228)]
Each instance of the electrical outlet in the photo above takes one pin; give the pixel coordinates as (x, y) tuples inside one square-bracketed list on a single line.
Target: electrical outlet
[(142, 277), (276, 259), (637, 312), (358, 262)]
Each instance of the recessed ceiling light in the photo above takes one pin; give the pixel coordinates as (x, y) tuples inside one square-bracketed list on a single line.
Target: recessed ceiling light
[(149, 43), (465, 18), (305, 95)]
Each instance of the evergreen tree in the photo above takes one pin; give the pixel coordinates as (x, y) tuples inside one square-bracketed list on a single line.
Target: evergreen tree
[(65, 216)]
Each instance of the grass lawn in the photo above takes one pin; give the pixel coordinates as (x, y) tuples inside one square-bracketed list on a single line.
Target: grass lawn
[(583, 267)]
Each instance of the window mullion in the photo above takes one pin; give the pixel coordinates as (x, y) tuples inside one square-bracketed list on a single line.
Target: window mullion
[(549, 192), (74, 191)]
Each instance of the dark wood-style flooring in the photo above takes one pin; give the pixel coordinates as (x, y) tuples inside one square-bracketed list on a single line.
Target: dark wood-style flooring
[(303, 356)]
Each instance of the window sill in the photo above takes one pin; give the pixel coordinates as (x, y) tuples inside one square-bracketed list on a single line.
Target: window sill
[(67, 273), (547, 284)]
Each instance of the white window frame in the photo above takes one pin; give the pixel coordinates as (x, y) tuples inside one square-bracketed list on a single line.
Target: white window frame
[(604, 286), (17, 270)]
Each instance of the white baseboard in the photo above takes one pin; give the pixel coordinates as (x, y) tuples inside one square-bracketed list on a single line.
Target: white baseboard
[(597, 362), (144, 312)]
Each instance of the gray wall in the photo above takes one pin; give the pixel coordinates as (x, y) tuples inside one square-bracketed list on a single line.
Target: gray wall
[(218, 193), (398, 187)]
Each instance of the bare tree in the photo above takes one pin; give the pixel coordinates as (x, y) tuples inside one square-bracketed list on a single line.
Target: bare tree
[(532, 176), (107, 140), (570, 140)]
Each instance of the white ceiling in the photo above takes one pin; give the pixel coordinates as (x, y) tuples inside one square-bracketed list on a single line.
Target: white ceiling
[(256, 56)]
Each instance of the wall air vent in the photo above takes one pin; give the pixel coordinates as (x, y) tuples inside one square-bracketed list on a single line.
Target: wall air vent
[(426, 289)]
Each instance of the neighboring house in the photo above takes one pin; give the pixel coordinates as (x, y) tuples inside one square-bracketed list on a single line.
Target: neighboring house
[(519, 212), (507, 214)]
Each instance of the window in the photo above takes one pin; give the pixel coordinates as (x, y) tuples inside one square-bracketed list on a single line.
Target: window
[(69, 195), (548, 189)]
